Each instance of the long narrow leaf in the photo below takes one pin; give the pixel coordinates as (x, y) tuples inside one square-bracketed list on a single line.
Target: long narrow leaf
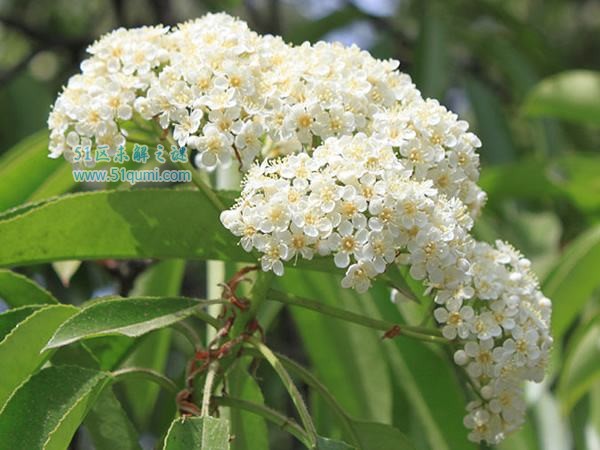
[(22, 350), (45, 412)]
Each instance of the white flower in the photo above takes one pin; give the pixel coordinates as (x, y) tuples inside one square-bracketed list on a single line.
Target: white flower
[(484, 426), (187, 124), (298, 243), (214, 147), (273, 253), (248, 142), (300, 121), (482, 359), (522, 348), (456, 320), (484, 326), (335, 122), (347, 243), (358, 276)]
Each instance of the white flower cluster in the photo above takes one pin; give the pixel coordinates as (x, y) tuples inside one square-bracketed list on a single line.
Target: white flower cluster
[(222, 89), (501, 321), (354, 198), (345, 159)]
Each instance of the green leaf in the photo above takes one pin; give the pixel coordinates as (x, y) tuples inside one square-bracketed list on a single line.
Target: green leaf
[(152, 352), (577, 176), (348, 359), (378, 436), (148, 223), (10, 318), (372, 436), (57, 183), (570, 284), (162, 278), (572, 95), (22, 350), (111, 350), (24, 168), (198, 433), (109, 426), (536, 234), (250, 430), (133, 316), (330, 444), (104, 420), (77, 354), (18, 290), (491, 124), (510, 59), (427, 380), (582, 366), (45, 412), (573, 177), (431, 72), (137, 224), (529, 179)]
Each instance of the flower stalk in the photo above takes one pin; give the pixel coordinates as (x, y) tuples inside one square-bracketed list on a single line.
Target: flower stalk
[(420, 333), (287, 381)]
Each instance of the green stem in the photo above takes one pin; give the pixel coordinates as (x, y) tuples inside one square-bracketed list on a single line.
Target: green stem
[(285, 423), (290, 386), (203, 186), (420, 333), (314, 383), (144, 125), (196, 177), (395, 279), (205, 317), (198, 181), (208, 387), (189, 333), (258, 295), (134, 139), (149, 374)]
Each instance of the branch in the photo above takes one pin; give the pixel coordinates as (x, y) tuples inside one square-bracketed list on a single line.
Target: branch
[(391, 329), (208, 387)]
